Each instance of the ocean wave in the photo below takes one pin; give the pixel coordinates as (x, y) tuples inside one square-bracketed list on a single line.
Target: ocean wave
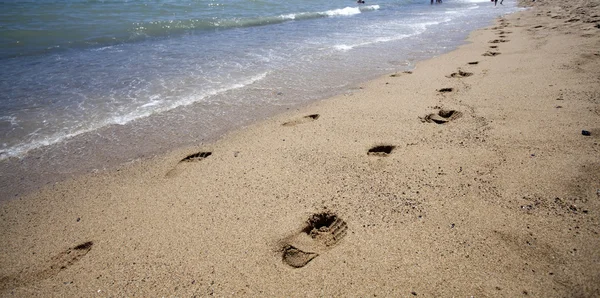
[(23, 42), (157, 28), (34, 141)]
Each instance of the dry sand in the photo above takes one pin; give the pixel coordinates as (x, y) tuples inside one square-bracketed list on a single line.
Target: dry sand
[(499, 198)]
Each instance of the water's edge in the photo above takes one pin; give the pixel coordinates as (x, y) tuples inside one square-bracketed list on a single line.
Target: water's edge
[(109, 148)]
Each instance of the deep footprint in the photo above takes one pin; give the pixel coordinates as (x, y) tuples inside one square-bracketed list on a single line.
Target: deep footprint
[(443, 116), (445, 90), (381, 150), (322, 232), (307, 118)]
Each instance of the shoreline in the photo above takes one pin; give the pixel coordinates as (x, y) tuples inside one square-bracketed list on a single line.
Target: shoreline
[(458, 178), (114, 146)]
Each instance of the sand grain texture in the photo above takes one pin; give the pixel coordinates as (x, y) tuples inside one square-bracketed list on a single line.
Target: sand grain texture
[(502, 201)]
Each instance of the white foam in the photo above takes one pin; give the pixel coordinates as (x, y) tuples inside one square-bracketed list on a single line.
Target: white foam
[(369, 7), (291, 16), (151, 104), (10, 119), (142, 112), (343, 47), (347, 11)]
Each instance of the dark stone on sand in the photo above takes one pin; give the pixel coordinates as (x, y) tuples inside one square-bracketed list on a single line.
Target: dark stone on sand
[(586, 133)]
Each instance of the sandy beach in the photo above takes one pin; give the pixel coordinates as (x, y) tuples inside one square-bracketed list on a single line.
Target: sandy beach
[(475, 174)]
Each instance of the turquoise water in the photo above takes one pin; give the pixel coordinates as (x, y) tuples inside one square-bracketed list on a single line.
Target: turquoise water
[(69, 69)]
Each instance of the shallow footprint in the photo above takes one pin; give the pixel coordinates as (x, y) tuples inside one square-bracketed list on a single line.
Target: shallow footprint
[(322, 232), (190, 158), (307, 118), (491, 54), (59, 262), (297, 258), (460, 74)]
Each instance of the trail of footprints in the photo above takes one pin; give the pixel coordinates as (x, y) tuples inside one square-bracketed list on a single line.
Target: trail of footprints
[(502, 35), (323, 231)]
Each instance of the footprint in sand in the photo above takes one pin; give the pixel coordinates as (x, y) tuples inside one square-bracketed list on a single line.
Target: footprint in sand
[(188, 159), (498, 40), (381, 150), (460, 74), (493, 47), (399, 74), (445, 90), (321, 233), (305, 119), (473, 62), (491, 54), (442, 116), (55, 265)]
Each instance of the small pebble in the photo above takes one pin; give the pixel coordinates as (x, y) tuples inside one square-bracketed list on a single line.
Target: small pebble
[(586, 133)]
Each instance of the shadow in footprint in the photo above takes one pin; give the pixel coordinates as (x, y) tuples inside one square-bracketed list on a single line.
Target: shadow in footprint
[(493, 47), (55, 265), (498, 40), (445, 90), (322, 232), (307, 118), (460, 74), (196, 157), (473, 63), (190, 158), (381, 150), (399, 74), (442, 116), (491, 54)]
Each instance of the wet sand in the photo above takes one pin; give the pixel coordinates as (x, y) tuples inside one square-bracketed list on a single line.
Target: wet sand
[(472, 175)]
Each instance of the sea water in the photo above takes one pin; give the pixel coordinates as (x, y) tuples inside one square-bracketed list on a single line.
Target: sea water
[(133, 77)]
